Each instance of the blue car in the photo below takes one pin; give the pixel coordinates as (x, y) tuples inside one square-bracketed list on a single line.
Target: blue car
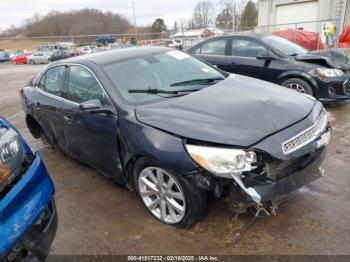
[(28, 217)]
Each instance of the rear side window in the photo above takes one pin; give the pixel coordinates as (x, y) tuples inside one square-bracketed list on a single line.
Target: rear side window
[(53, 81), (83, 86), (215, 47), (246, 48)]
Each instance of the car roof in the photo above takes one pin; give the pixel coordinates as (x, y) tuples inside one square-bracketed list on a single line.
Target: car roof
[(252, 35), (118, 54)]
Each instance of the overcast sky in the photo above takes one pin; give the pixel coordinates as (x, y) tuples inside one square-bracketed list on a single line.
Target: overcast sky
[(17, 11)]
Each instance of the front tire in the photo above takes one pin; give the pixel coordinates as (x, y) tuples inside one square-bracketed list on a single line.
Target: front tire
[(172, 199), (298, 85)]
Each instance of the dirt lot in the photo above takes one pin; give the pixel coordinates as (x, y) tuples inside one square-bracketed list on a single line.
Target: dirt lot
[(98, 217)]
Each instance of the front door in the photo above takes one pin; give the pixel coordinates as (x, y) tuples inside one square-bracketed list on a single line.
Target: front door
[(92, 136), (244, 53)]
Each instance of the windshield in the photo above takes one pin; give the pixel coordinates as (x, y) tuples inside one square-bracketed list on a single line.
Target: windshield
[(167, 71), (284, 46)]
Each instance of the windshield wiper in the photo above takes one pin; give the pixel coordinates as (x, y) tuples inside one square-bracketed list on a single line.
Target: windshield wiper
[(159, 91), (201, 81)]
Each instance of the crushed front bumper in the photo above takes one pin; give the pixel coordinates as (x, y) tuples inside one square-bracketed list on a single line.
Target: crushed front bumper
[(28, 217), (261, 189), (333, 89), (309, 170)]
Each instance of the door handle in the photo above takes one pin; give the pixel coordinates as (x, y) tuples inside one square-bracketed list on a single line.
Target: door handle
[(68, 119), (38, 105)]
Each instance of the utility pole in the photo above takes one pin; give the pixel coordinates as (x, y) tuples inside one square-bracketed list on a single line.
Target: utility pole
[(135, 26)]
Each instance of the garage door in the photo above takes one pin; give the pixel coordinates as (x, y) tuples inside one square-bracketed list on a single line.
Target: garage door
[(298, 13)]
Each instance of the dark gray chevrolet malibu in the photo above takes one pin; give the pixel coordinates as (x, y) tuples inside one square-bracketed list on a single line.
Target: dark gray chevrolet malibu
[(177, 129)]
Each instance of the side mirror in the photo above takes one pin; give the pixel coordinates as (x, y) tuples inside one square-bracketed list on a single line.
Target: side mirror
[(93, 104), (265, 55)]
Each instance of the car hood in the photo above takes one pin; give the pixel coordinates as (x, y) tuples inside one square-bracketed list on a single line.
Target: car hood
[(331, 58), (237, 111)]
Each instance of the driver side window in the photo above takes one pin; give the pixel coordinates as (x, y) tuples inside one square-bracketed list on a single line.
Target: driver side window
[(83, 86), (246, 48)]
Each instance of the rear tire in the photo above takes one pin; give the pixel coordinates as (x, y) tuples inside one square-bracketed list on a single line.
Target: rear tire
[(298, 85), (190, 201)]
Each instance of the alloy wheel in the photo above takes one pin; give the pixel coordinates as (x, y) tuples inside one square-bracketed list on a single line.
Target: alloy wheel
[(162, 195), (297, 87)]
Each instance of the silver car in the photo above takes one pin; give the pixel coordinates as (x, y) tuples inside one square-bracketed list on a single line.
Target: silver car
[(38, 58)]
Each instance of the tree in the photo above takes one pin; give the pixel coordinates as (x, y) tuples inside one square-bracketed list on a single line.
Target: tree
[(225, 18), (73, 22), (175, 28), (203, 14), (158, 26), (190, 24), (249, 17)]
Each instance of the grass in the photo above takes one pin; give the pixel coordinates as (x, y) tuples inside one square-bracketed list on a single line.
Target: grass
[(22, 44)]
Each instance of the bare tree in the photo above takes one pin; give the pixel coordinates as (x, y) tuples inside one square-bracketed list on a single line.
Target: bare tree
[(230, 14), (203, 14)]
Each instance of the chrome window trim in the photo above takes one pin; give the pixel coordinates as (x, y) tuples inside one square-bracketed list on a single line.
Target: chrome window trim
[(62, 99), (317, 133)]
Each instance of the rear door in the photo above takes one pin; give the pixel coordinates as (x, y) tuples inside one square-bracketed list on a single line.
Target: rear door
[(92, 136), (48, 104), (215, 52)]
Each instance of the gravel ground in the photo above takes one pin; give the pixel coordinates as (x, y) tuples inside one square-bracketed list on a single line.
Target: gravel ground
[(97, 217)]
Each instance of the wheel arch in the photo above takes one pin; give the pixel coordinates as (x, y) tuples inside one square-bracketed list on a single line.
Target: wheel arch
[(301, 75), (34, 127)]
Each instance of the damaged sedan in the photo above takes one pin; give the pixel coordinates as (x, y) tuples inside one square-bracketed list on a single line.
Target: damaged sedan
[(324, 74), (176, 129)]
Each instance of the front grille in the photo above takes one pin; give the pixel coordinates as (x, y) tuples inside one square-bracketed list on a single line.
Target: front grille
[(346, 86), (306, 136)]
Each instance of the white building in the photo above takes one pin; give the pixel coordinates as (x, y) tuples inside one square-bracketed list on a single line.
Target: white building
[(285, 14)]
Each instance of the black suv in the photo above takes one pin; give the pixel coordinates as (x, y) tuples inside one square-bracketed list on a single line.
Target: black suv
[(323, 74)]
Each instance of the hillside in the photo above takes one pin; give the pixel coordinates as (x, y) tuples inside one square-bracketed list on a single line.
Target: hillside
[(75, 22)]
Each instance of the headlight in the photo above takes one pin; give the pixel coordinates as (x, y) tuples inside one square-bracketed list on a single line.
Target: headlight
[(222, 161), (11, 156), (328, 72)]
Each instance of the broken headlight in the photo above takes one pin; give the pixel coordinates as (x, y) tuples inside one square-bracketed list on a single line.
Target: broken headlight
[(222, 161), (12, 156)]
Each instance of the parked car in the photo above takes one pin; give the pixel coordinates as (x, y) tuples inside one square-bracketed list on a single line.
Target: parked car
[(4, 56), (322, 74), (173, 43), (178, 129), (27, 206), (20, 58), (93, 48), (57, 55), (85, 50), (116, 46), (105, 40), (38, 58)]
